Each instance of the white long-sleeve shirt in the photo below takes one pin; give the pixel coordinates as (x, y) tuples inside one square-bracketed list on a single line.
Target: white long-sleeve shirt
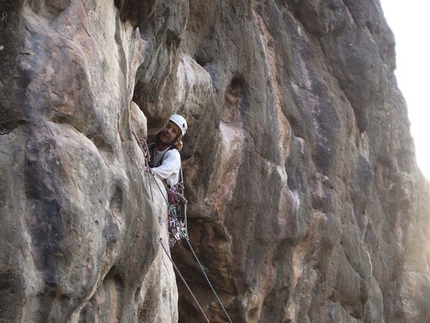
[(170, 165)]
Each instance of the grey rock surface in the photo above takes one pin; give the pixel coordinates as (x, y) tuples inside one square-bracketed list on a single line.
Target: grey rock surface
[(305, 200)]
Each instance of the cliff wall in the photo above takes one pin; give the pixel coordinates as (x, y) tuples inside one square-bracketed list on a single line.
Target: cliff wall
[(305, 200)]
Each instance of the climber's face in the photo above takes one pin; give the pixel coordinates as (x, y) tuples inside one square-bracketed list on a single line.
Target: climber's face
[(170, 133)]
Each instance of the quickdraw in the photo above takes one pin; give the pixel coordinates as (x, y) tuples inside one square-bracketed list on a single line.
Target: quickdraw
[(177, 220)]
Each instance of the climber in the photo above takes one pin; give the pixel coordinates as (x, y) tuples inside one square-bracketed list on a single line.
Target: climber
[(165, 159)]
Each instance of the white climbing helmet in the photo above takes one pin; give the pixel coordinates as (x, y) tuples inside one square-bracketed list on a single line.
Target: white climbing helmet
[(180, 122)]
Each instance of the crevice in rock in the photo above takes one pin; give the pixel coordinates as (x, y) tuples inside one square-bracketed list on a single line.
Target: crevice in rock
[(136, 11), (99, 140), (11, 292), (234, 101), (49, 9), (202, 61), (10, 125), (108, 299)]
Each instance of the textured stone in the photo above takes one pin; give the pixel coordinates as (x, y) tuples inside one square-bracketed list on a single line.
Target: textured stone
[(305, 200)]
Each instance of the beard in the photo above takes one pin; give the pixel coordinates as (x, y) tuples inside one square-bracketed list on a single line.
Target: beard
[(164, 139)]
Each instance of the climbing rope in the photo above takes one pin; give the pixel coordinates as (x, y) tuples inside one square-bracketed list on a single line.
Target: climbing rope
[(183, 280), (209, 282), (182, 233)]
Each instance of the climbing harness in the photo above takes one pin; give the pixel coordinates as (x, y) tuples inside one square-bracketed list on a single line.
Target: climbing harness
[(178, 212), (177, 216), (177, 225)]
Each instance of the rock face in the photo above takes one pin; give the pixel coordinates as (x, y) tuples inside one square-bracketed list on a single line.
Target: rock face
[(305, 200)]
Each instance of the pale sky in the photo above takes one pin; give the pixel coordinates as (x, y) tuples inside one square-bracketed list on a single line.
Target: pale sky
[(410, 23)]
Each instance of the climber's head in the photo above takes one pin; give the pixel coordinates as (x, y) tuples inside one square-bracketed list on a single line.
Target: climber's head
[(169, 134), (180, 122), (172, 134)]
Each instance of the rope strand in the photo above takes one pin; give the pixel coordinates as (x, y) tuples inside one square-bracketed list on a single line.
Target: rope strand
[(209, 282), (183, 280)]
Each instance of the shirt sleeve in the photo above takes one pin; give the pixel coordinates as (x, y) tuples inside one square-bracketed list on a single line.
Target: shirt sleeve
[(171, 164)]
